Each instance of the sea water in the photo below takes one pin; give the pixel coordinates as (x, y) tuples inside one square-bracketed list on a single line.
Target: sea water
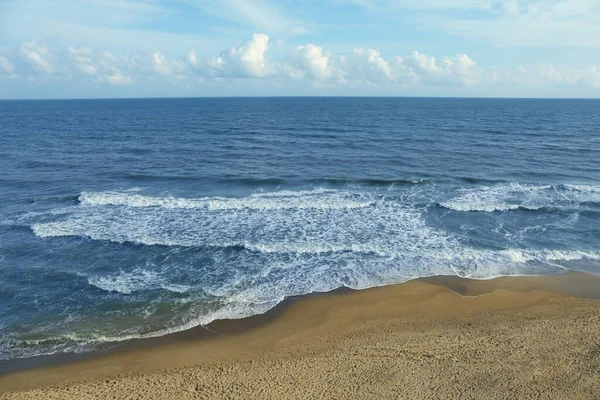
[(124, 219)]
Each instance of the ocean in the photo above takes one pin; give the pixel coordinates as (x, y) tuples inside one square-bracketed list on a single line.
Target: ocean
[(124, 219)]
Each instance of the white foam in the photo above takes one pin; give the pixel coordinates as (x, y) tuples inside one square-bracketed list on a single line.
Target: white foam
[(583, 193), (137, 280), (292, 243), (238, 300), (583, 188), (315, 248), (293, 251), (259, 201), (559, 255), (80, 343), (511, 196), (487, 264), (385, 228)]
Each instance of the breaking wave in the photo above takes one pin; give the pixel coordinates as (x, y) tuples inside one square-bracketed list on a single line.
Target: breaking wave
[(513, 196), (225, 257), (259, 201)]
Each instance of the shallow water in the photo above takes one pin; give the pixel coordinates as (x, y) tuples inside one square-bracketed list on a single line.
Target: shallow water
[(133, 218)]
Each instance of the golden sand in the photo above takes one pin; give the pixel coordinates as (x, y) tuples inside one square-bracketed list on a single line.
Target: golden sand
[(504, 338)]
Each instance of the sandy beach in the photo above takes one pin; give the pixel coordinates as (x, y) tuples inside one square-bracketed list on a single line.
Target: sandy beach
[(444, 337)]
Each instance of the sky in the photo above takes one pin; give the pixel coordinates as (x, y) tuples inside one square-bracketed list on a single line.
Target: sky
[(196, 48)]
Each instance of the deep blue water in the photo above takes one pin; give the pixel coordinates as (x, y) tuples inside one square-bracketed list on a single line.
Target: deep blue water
[(134, 218)]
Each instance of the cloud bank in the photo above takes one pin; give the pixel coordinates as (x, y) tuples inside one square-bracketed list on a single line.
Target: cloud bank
[(35, 63)]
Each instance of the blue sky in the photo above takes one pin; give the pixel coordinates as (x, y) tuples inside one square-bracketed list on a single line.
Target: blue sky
[(156, 48)]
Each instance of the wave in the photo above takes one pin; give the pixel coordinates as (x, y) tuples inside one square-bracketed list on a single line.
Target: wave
[(284, 199), (316, 221), (514, 196), (239, 301), (299, 222), (16, 348), (592, 191), (373, 181), (242, 256), (453, 252)]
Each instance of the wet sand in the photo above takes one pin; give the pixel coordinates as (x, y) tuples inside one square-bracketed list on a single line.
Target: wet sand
[(512, 337)]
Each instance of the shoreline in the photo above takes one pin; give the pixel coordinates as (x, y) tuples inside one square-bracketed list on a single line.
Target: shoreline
[(316, 324), (214, 330)]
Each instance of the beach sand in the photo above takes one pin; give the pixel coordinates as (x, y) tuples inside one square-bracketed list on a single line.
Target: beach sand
[(443, 337)]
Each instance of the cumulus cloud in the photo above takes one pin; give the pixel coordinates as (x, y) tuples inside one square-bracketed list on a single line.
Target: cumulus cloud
[(76, 64), (459, 69), (368, 66), (37, 56), (101, 66), (250, 60), (247, 60), (310, 61), (165, 66), (81, 59), (462, 68)]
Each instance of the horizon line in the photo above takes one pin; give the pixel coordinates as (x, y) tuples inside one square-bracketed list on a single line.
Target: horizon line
[(298, 97)]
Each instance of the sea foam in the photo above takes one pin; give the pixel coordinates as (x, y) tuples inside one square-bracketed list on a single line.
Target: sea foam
[(244, 255), (512, 196), (260, 201)]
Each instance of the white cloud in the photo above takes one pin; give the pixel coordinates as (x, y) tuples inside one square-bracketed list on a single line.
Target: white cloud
[(247, 60), (164, 66), (191, 58), (122, 25), (368, 65), (81, 58), (459, 69), (310, 61), (109, 61), (462, 68), (37, 56), (6, 67), (83, 66), (118, 79)]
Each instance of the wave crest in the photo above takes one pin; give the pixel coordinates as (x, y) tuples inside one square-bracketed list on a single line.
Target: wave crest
[(309, 199), (513, 196)]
